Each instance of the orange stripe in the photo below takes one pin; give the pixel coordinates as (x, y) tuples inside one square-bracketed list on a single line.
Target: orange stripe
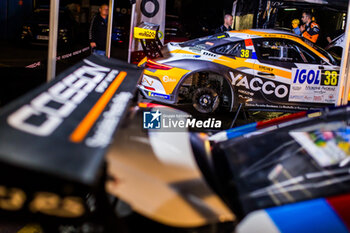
[(85, 125)]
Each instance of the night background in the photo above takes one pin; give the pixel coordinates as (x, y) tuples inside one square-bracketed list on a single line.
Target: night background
[(190, 19)]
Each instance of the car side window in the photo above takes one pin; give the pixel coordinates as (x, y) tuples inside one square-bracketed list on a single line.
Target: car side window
[(310, 57), (231, 49), (278, 50)]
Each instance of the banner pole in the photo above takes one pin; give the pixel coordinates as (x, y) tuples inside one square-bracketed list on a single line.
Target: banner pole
[(53, 31), (344, 82), (109, 28), (131, 37)]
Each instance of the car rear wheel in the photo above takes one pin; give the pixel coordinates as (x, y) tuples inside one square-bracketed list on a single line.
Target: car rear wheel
[(205, 100)]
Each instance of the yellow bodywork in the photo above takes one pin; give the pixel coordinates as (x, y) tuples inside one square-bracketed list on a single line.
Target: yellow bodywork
[(168, 78)]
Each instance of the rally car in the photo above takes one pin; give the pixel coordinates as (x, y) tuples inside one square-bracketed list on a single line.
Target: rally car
[(261, 69)]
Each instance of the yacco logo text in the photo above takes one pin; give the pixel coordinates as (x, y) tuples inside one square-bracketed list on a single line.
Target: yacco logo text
[(66, 95), (311, 77), (257, 84)]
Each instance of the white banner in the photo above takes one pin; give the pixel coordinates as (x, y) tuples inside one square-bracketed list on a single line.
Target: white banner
[(151, 11)]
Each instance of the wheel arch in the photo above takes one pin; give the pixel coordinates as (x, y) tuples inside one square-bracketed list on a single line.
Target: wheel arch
[(225, 77)]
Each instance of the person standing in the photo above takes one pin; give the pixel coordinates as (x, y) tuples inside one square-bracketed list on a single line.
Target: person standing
[(98, 31), (228, 20), (310, 30), (295, 25)]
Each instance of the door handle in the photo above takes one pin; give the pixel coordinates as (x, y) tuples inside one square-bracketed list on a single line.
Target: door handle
[(265, 74)]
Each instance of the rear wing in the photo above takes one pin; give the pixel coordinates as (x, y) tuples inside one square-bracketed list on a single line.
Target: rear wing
[(147, 33), (54, 139)]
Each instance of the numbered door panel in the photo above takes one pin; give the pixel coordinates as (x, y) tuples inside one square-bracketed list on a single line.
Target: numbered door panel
[(314, 84), (238, 59), (289, 73), (272, 72)]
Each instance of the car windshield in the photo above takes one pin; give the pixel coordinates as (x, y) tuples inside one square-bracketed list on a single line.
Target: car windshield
[(44, 15), (331, 59), (205, 42)]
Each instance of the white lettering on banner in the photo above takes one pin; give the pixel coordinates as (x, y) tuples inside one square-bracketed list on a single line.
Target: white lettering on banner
[(18, 121), (60, 100), (257, 84), (58, 58), (111, 118), (36, 64)]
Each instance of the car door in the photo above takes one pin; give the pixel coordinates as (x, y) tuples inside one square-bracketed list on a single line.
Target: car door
[(314, 81), (238, 60), (289, 74)]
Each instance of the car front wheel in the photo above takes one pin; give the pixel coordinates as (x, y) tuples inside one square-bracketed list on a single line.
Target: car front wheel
[(205, 100)]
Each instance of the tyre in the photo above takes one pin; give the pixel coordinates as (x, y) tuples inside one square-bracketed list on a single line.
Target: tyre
[(205, 100)]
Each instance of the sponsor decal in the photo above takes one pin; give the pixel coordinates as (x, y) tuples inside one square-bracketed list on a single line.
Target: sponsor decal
[(293, 107), (160, 35), (297, 97), (312, 77), (153, 94), (318, 98), (190, 56), (157, 120), (304, 76), (246, 92), (257, 84), (150, 83), (307, 98), (246, 53), (245, 98), (265, 68), (209, 54), (166, 79), (314, 85), (142, 33), (330, 78)]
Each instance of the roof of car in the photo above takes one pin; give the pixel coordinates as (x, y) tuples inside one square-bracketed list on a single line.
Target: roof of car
[(257, 33)]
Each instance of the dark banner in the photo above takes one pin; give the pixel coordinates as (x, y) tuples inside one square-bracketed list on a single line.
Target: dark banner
[(60, 131)]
